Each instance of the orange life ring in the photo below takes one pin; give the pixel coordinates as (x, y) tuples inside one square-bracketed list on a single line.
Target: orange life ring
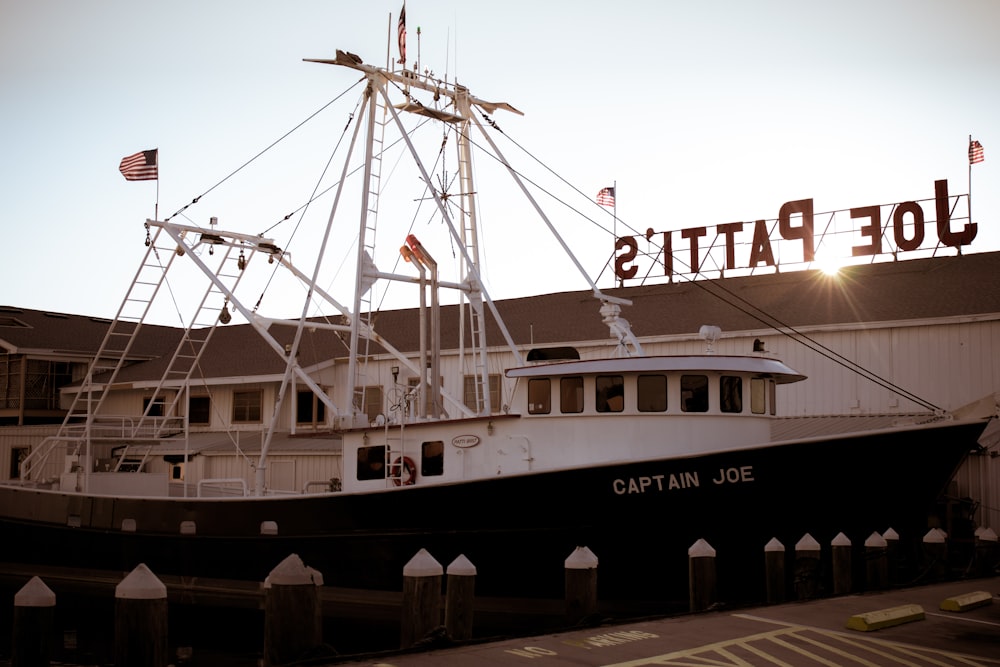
[(408, 474)]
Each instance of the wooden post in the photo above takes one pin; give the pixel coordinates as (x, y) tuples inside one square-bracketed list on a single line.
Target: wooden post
[(292, 619), (935, 554), (807, 583), (421, 613), (581, 585), (459, 603), (701, 575), (876, 562), (141, 620), (840, 555), (774, 570), (987, 552), (34, 609), (893, 560)]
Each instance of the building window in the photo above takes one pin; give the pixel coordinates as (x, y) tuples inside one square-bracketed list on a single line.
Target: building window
[(539, 396), (610, 393), (731, 393), (651, 393), (432, 458), (470, 391), (42, 383), (153, 408), (199, 409), (571, 395), (17, 455), (694, 393), (371, 462), (309, 409), (247, 406)]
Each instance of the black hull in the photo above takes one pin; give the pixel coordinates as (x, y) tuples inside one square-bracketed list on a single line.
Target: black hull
[(638, 518)]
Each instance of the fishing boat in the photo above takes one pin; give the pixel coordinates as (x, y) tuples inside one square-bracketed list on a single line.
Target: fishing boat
[(632, 455)]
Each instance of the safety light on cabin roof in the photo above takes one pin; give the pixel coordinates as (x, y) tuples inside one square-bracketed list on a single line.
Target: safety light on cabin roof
[(709, 333)]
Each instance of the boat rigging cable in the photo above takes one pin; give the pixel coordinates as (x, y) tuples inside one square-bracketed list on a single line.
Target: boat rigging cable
[(750, 310), (272, 145), (734, 300)]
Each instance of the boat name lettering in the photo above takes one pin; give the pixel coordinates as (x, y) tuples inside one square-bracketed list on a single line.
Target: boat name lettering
[(465, 441), (682, 480), (644, 483), (795, 224), (734, 475)]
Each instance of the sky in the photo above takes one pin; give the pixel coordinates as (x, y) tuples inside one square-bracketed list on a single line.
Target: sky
[(699, 113)]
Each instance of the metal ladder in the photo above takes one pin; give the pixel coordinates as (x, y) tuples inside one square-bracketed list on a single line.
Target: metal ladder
[(470, 238), (114, 352), (378, 119)]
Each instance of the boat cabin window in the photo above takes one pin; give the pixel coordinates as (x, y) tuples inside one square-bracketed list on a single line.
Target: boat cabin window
[(432, 458), (571, 395), (731, 393), (694, 393), (762, 396), (758, 404), (539, 396), (610, 393), (651, 393), (371, 462), (247, 406)]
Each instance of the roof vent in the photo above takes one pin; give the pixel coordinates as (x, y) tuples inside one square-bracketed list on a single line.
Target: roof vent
[(553, 354)]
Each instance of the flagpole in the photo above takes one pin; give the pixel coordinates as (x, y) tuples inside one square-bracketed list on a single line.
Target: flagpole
[(614, 185), (970, 182)]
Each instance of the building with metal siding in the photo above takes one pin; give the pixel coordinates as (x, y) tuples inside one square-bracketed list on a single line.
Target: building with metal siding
[(925, 334)]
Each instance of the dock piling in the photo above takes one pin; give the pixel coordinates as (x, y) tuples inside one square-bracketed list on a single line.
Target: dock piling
[(34, 609), (141, 620), (421, 608)]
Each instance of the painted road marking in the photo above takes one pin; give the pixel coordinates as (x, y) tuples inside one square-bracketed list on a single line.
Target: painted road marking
[(792, 645)]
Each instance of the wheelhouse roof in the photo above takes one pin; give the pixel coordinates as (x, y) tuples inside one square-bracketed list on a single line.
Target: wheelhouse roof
[(757, 366)]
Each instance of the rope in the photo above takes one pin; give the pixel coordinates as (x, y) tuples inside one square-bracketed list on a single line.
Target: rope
[(269, 147)]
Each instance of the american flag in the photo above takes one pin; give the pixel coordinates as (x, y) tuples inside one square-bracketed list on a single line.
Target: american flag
[(975, 152), (141, 166), (606, 197), (402, 35)]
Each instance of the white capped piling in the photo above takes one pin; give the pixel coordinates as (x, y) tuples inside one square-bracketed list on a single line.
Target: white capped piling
[(807, 572), (840, 556), (774, 570), (935, 554), (421, 613), (876, 562), (987, 551), (460, 599), (34, 609), (581, 584), (893, 561), (702, 581), (292, 617), (141, 620)]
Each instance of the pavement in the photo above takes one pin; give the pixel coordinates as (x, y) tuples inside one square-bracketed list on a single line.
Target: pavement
[(953, 623)]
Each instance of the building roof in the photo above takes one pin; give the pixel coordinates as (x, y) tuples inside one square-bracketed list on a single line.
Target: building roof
[(912, 290)]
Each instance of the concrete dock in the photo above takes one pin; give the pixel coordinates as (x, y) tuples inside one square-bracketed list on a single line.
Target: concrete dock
[(954, 623)]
